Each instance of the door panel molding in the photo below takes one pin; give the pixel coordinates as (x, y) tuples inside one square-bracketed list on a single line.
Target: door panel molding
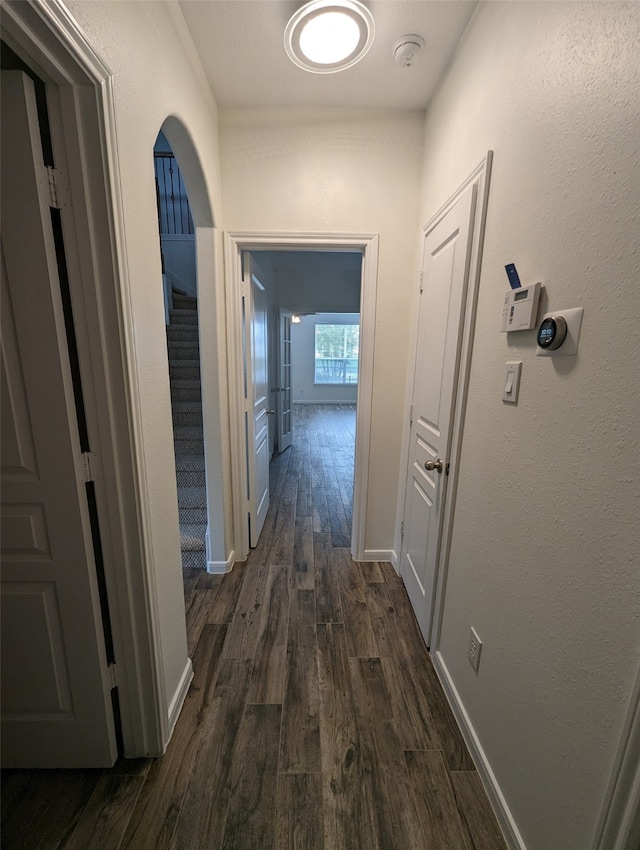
[(235, 242)]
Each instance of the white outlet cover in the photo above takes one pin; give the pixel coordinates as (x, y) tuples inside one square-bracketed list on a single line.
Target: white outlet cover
[(573, 318)]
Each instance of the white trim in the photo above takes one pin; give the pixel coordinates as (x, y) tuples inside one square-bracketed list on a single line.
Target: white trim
[(52, 41), (177, 701), (217, 567), (386, 555), (234, 244), (619, 823), (214, 410), (500, 807)]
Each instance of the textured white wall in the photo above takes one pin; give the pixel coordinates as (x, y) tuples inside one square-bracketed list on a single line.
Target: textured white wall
[(350, 171), (545, 551), (155, 76)]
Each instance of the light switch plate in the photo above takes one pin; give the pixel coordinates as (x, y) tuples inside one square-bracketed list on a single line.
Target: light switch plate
[(573, 318), (511, 381)]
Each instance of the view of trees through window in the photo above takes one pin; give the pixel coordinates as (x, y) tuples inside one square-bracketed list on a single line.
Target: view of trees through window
[(336, 354)]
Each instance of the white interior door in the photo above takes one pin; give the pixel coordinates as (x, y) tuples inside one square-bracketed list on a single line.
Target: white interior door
[(444, 284), (56, 703), (255, 310), (285, 423)]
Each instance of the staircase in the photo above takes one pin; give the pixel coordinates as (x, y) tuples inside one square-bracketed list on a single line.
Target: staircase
[(186, 406)]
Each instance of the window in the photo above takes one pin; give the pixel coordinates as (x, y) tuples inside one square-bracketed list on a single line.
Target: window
[(336, 354)]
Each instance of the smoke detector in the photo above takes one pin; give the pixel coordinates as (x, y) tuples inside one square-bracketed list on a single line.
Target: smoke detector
[(406, 50)]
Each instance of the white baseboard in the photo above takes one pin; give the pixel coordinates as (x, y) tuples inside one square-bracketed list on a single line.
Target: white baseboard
[(378, 555), (179, 697), (498, 802), (217, 567), (395, 561)]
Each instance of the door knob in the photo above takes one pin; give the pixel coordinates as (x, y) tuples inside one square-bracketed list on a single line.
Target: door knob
[(434, 464), (270, 412)]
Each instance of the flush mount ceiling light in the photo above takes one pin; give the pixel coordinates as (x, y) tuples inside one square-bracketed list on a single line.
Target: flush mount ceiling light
[(326, 36)]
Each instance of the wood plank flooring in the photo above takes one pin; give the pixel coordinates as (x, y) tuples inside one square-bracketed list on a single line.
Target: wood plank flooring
[(315, 720)]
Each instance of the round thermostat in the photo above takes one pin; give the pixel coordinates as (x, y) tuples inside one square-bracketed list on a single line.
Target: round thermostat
[(552, 333)]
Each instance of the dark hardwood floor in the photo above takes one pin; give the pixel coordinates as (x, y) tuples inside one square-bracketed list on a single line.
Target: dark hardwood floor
[(315, 720)]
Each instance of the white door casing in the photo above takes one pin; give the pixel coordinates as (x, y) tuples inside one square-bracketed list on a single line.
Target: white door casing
[(236, 243), (255, 309), (285, 423), (56, 702), (444, 279)]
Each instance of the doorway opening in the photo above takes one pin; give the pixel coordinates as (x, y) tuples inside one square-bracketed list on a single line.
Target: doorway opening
[(275, 258), (180, 291), (313, 356)]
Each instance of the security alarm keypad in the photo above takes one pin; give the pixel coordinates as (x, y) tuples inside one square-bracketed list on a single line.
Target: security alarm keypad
[(520, 308)]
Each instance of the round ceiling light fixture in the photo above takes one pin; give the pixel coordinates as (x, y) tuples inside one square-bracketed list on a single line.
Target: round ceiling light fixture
[(325, 36)]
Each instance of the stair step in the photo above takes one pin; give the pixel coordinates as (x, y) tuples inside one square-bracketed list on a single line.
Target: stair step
[(192, 537), (190, 477), (194, 447), (183, 317), (191, 516), (194, 560), (182, 333), (184, 370), (187, 413), (183, 434), (192, 497), (181, 383), (184, 302), (190, 463), (186, 391), (184, 351), (181, 344)]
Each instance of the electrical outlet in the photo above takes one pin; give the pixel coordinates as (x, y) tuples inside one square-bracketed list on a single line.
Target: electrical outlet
[(475, 648)]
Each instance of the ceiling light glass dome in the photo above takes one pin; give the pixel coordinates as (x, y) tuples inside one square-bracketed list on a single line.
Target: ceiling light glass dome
[(326, 36)]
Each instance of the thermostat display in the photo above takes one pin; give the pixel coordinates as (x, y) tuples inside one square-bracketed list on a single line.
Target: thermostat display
[(559, 333), (552, 333)]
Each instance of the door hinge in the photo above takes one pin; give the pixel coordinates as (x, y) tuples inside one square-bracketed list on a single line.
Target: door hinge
[(243, 261), (402, 528), (421, 287), (88, 466), (410, 414), (113, 676), (55, 187)]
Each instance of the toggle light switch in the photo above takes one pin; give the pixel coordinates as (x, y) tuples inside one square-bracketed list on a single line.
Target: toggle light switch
[(511, 381)]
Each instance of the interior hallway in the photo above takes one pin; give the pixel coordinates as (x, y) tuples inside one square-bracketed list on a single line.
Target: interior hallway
[(315, 719)]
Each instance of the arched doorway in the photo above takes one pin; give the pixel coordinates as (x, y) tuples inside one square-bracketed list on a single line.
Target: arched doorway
[(180, 290), (210, 514)]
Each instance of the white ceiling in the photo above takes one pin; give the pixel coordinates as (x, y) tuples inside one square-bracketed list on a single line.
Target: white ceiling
[(240, 43)]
